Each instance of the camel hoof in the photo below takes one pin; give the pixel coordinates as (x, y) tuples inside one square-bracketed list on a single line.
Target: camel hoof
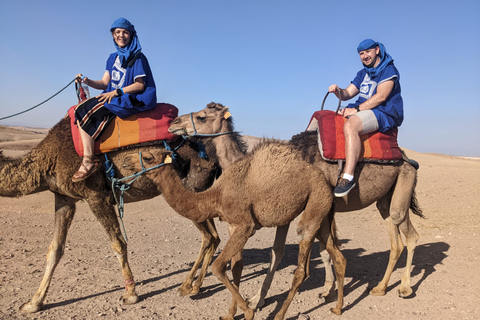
[(255, 303), (404, 293), (377, 292), (336, 311), (227, 318), (30, 308), (129, 299), (185, 290)]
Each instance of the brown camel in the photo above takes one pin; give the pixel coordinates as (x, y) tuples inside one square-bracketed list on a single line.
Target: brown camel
[(391, 186), (243, 198), (51, 165)]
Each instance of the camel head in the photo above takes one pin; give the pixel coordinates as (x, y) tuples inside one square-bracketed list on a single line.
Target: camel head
[(149, 161), (215, 118)]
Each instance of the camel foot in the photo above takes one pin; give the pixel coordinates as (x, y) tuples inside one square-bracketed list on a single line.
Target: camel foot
[(328, 291), (129, 299), (404, 293), (377, 291), (336, 311), (30, 308), (185, 290), (227, 318), (255, 302)]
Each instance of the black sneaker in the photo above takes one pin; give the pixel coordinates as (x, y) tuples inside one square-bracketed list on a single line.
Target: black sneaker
[(344, 186)]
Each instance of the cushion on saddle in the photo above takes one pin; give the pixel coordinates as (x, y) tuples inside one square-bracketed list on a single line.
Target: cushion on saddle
[(377, 146), (145, 126)]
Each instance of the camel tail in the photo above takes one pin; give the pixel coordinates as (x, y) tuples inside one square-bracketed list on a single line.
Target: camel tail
[(333, 226), (415, 207)]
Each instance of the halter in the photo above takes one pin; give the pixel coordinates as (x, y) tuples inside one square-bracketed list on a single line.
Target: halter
[(196, 134)]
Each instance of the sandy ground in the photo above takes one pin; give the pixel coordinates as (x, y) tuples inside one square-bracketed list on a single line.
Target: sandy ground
[(163, 245)]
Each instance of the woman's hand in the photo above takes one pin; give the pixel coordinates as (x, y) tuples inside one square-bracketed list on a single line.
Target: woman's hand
[(107, 96), (79, 78)]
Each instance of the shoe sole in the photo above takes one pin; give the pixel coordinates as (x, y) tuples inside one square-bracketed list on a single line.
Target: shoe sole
[(343, 194)]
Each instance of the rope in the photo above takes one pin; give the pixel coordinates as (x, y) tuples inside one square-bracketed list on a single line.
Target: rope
[(124, 186), (16, 114)]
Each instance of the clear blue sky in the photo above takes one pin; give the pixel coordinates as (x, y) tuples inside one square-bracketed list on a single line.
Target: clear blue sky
[(270, 61)]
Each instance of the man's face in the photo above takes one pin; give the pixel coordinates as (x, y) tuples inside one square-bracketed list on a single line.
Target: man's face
[(370, 57)]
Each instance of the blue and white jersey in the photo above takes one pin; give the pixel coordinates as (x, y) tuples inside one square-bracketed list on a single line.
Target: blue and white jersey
[(129, 104), (390, 113)]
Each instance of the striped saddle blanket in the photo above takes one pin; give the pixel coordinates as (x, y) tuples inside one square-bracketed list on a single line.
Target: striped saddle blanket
[(145, 126), (377, 146)]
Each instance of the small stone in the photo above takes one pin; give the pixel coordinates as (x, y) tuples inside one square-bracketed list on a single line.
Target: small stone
[(302, 316)]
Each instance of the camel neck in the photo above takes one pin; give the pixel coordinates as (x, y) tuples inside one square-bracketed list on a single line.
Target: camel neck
[(197, 207), (228, 150)]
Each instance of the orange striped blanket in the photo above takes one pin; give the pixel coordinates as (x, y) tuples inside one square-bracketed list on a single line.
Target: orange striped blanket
[(146, 126), (377, 146)]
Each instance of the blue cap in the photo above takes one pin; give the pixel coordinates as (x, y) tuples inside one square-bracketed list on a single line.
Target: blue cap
[(124, 24), (366, 44)]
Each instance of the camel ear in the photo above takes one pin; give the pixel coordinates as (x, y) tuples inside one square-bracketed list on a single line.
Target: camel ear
[(168, 159)]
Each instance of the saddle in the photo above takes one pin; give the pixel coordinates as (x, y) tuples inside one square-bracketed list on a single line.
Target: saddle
[(145, 126), (377, 146)]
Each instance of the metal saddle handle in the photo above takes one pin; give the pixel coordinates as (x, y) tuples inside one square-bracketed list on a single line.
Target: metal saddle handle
[(339, 101)]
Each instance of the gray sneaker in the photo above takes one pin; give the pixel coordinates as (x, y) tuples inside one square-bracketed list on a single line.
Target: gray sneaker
[(344, 186)]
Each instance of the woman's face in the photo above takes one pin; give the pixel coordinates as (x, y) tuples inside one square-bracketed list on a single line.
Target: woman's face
[(122, 37)]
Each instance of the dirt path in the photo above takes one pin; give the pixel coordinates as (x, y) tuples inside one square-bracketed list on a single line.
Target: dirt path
[(162, 246)]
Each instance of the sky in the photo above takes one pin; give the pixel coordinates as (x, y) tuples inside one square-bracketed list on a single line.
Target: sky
[(270, 61)]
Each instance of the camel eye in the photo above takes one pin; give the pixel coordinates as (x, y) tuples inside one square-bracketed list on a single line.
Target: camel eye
[(201, 118), (147, 158)]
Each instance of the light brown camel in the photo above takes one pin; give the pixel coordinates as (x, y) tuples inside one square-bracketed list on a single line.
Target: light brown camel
[(51, 165), (243, 198), (391, 186)]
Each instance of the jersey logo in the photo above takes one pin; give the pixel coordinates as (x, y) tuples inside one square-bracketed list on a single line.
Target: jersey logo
[(367, 88)]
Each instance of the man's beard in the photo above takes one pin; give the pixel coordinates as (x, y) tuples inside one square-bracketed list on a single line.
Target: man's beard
[(371, 64)]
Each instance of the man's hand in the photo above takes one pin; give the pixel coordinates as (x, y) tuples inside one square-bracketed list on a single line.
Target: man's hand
[(347, 112)]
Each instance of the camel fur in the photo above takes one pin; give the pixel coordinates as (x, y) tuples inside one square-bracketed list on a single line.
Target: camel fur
[(50, 166), (391, 186), (243, 197)]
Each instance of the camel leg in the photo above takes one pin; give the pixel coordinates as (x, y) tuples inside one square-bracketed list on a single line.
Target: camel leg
[(329, 286), (396, 214), (258, 300), (64, 212), (234, 246), (305, 247), (339, 262), (411, 236), (210, 242), (105, 214)]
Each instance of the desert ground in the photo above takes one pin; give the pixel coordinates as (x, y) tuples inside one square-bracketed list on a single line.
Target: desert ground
[(162, 247)]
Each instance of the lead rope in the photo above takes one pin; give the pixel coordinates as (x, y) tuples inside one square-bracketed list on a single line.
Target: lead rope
[(16, 114), (124, 186)]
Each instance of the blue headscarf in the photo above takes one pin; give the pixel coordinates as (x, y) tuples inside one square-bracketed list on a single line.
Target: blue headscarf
[(134, 47), (385, 58)]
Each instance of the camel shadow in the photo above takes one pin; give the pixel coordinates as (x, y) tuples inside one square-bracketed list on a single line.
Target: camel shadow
[(359, 268)]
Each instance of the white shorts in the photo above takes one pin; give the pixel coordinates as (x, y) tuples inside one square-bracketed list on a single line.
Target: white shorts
[(370, 122)]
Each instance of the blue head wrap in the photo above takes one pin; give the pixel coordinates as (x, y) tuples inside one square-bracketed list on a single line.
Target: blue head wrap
[(385, 58), (134, 47)]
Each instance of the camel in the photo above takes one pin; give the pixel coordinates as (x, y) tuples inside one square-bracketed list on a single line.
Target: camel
[(51, 165), (242, 196), (391, 186)]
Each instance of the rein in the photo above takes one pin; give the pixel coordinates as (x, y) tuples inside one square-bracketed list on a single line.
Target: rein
[(124, 186)]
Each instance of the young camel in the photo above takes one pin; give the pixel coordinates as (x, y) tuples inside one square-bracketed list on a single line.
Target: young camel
[(243, 198), (391, 186), (51, 165)]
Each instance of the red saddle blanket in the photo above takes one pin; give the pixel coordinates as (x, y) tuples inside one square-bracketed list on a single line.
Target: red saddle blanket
[(145, 126), (377, 146)]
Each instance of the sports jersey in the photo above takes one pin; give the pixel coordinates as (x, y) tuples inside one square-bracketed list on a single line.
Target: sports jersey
[(390, 113), (128, 104)]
